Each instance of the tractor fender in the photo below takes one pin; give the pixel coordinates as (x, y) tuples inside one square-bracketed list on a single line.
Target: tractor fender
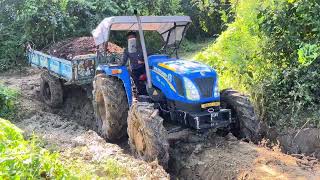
[(120, 72)]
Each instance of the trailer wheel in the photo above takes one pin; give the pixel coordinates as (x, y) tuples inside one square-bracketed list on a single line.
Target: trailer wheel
[(51, 90), (246, 123), (147, 136), (110, 107)]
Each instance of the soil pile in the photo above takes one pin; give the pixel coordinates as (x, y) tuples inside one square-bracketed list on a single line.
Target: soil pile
[(217, 157), (72, 47), (305, 141)]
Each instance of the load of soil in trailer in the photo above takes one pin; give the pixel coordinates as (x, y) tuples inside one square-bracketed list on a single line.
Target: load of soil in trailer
[(69, 48)]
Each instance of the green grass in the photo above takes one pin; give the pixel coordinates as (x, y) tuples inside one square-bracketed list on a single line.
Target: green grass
[(26, 159), (189, 49), (81, 164), (22, 159)]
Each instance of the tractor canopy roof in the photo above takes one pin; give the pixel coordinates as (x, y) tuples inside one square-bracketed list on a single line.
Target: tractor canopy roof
[(171, 28)]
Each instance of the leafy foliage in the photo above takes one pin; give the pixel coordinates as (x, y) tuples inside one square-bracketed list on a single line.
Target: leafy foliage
[(42, 22), (8, 100), (293, 46), (25, 159), (272, 48), (207, 16), (235, 51)]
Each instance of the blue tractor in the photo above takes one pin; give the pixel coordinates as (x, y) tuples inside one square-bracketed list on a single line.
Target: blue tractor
[(181, 92)]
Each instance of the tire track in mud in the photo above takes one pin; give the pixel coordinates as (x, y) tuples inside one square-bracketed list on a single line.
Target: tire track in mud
[(207, 157), (67, 129)]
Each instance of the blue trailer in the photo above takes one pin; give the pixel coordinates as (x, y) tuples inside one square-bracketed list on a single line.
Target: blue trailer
[(80, 70), (58, 72)]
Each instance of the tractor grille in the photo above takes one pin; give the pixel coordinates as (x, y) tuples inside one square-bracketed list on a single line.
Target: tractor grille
[(179, 85), (205, 86)]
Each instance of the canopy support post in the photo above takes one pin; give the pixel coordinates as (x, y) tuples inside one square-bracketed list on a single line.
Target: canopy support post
[(144, 50)]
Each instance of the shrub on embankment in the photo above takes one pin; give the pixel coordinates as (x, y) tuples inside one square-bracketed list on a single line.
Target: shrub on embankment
[(270, 51), (8, 100), (24, 159)]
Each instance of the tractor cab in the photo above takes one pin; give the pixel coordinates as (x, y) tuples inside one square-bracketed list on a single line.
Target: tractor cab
[(171, 28)]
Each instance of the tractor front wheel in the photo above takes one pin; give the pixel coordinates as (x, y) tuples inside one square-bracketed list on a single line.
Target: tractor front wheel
[(51, 91), (245, 122), (110, 106), (147, 136)]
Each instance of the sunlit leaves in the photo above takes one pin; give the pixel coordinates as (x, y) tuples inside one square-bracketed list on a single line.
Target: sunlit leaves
[(271, 51)]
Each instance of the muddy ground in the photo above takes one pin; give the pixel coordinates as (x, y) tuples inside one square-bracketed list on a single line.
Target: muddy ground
[(205, 156), (67, 129)]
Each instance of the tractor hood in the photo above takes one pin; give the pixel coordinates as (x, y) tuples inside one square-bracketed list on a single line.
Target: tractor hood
[(178, 78), (184, 67)]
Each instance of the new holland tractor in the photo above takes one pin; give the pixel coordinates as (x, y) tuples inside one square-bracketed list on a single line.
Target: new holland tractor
[(180, 92)]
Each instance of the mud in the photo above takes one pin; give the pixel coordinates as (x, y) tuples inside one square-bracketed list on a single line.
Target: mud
[(228, 158), (67, 129), (192, 156), (72, 47), (305, 141)]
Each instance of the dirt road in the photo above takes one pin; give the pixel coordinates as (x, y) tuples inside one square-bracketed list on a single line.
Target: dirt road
[(197, 157)]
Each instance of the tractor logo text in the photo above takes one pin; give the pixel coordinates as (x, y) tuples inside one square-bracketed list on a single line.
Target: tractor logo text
[(163, 74)]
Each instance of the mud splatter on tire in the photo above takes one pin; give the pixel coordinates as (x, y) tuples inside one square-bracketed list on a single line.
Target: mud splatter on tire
[(51, 90), (110, 107), (247, 124), (147, 136)]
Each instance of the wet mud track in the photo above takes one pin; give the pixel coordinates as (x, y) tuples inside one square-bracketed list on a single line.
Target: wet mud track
[(68, 129), (194, 157)]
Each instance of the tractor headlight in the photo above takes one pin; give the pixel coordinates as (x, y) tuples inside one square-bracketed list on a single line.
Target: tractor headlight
[(192, 92), (216, 89)]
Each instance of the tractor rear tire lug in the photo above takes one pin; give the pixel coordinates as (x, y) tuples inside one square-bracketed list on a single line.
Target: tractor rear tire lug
[(144, 122), (247, 124), (110, 106)]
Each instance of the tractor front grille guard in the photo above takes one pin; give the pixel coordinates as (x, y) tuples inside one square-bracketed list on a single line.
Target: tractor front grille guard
[(205, 86)]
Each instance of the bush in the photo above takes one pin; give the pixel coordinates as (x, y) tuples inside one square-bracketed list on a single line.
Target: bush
[(25, 159), (43, 22), (21, 159), (8, 100), (292, 96), (270, 51), (235, 53)]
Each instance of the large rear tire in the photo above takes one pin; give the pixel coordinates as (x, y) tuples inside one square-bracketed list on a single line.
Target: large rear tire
[(110, 106), (51, 91), (147, 136), (246, 123)]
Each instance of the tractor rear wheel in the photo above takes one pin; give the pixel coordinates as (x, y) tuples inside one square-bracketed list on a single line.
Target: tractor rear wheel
[(147, 136), (246, 123), (51, 91), (110, 106)]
